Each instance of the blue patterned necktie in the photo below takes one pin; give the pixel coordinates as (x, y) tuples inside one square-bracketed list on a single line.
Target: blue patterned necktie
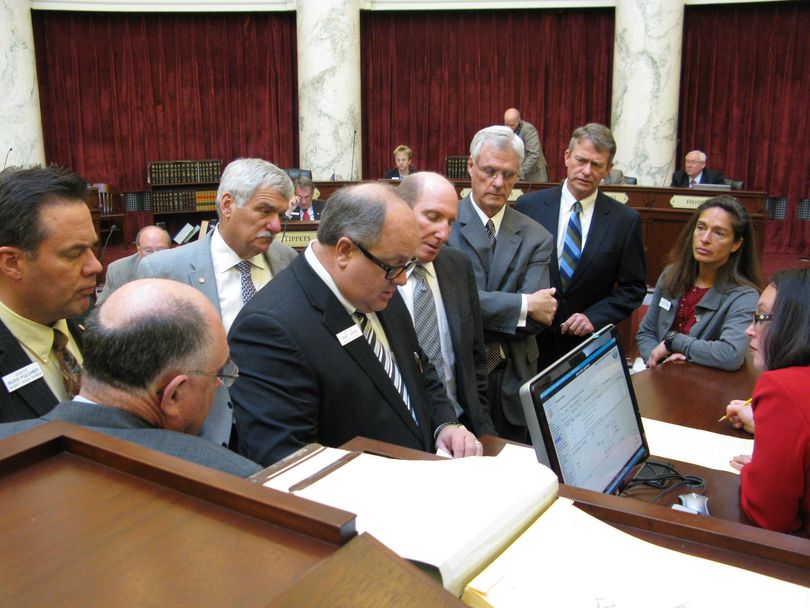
[(388, 363), (426, 321), (572, 248), (248, 288)]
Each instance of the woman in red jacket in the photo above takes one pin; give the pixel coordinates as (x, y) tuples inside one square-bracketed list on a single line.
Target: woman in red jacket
[(775, 479)]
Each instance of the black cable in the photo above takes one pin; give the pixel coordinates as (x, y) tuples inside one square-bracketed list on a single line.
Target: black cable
[(661, 475)]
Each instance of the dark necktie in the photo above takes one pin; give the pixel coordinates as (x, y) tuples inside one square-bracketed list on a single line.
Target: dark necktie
[(388, 363), (493, 348), (69, 367), (692, 183), (248, 288), (426, 320), (572, 248)]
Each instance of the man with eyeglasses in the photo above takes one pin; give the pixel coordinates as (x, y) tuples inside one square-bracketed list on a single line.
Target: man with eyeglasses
[(598, 265), (327, 351), (154, 355), (149, 240), (510, 255)]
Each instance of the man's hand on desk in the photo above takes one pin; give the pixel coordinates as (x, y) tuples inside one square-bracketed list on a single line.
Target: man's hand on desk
[(458, 441), (660, 355), (738, 462), (741, 415)]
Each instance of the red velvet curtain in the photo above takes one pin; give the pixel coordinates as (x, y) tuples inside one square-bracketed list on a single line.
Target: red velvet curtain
[(118, 91), (432, 79), (745, 100)]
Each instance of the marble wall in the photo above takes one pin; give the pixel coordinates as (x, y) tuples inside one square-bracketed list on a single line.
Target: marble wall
[(646, 85), (21, 131), (329, 88)]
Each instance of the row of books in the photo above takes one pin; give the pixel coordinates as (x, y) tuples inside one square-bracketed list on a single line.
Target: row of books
[(183, 200), (184, 172), (137, 201)]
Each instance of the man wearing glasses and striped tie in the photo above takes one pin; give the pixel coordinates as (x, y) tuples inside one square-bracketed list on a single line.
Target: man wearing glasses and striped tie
[(598, 263), (327, 350)]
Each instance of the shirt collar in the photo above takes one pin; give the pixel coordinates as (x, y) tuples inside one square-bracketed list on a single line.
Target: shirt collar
[(496, 219), (567, 201), (36, 337), (320, 270), (225, 258), (428, 268)]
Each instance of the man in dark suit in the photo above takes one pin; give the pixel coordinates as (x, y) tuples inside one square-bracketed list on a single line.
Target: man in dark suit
[(302, 207), (327, 351), (149, 240), (235, 260), (442, 298), (695, 172), (154, 355), (604, 280), (47, 277), (510, 255)]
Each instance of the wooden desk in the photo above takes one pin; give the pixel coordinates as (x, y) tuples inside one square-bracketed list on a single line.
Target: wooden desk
[(779, 555)]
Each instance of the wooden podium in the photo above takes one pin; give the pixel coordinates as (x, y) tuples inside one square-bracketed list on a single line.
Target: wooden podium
[(91, 520)]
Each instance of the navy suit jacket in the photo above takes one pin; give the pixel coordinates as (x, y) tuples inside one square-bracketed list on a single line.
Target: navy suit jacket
[(456, 280), (709, 176), (610, 279), (519, 265), (298, 384), (317, 209), (34, 399)]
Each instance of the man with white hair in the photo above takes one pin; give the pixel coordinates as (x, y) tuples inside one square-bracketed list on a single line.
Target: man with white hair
[(695, 172), (237, 259)]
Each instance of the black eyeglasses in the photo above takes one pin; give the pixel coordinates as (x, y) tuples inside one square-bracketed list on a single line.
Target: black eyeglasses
[(391, 272), (227, 374), (757, 318)]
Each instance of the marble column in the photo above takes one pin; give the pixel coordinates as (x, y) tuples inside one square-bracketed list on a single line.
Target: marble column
[(21, 131), (646, 85), (329, 88)]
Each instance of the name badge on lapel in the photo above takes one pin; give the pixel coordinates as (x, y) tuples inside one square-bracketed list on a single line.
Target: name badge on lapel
[(21, 377), (665, 304), (349, 334)]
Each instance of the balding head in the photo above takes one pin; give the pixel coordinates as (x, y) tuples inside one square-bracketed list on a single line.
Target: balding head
[(511, 118), (435, 206), (151, 239), (146, 335), (367, 233)]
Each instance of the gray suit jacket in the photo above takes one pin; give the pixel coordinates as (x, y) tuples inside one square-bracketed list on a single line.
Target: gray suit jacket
[(519, 265), (192, 264), (718, 337), (534, 167), (119, 272), (121, 424), (456, 280)]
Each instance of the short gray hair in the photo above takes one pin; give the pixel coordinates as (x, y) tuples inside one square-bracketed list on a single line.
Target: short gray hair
[(499, 137), (599, 135), (354, 213), (242, 177), (700, 153)]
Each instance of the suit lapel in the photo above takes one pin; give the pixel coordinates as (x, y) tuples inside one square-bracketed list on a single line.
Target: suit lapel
[(337, 320), (600, 225), (201, 275), (508, 244), (37, 395), (473, 231), (450, 297)]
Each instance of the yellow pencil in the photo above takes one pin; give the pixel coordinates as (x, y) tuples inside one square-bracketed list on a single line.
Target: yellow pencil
[(724, 417)]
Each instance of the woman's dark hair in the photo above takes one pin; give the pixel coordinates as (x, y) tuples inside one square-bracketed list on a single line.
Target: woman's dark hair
[(787, 341), (742, 266)]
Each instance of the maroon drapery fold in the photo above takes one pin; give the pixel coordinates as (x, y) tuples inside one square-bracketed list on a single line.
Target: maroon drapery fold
[(432, 79), (118, 91), (745, 101)]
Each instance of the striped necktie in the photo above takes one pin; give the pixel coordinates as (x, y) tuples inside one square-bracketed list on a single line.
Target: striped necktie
[(426, 321), (69, 367), (388, 363), (572, 248)]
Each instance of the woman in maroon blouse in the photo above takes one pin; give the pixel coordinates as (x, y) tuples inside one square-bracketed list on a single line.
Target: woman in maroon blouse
[(775, 480), (703, 300)]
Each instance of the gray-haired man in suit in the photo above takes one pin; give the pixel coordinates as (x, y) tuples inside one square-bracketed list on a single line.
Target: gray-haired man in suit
[(154, 355), (510, 254), (237, 259)]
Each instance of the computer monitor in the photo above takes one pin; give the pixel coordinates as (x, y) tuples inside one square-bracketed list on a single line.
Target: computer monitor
[(583, 417)]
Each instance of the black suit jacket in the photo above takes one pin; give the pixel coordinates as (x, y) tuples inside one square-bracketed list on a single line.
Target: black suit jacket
[(609, 281), (456, 279), (34, 399), (709, 176), (297, 384), (317, 208)]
